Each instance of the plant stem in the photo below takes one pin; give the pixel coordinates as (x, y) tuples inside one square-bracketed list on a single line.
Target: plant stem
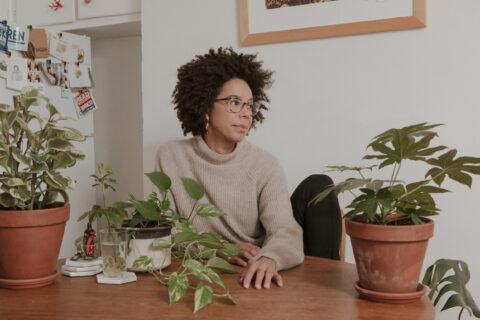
[(398, 170), (191, 212), (32, 193), (460, 314), (421, 185), (393, 174)]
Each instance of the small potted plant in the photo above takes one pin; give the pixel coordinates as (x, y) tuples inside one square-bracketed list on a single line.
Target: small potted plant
[(33, 152), (113, 241), (388, 222), (151, 219), (200, 253)]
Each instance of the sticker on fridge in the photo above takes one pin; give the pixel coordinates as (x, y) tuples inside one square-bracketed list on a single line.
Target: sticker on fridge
[(84, 103)]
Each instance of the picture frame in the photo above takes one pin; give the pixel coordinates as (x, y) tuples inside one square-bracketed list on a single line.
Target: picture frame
[(252, 11)]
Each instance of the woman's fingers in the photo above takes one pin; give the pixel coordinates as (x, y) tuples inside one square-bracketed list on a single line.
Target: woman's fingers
[(278, 279)]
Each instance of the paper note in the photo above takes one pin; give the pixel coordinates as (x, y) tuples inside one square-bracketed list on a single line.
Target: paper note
[(17, 73), (61, 49), (79, 76), (84, 102), (37, 44)]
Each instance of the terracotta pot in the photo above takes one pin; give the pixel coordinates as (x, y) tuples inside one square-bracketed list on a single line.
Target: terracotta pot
[(29, 246), (389, 258)]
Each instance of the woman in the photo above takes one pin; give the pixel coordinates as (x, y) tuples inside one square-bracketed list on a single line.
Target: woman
[(219, 97)]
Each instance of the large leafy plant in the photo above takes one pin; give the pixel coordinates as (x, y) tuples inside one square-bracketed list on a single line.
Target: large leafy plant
[(200, 253), (392, 201), (33, 150), (451, 276)]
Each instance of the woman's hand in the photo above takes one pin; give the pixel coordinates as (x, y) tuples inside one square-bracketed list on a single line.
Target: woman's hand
[(264, 270), (248, 252)]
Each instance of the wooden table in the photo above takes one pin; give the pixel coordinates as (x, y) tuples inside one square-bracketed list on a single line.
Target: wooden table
[(317, 289)]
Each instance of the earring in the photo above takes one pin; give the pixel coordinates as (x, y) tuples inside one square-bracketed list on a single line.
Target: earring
[(206, 127)]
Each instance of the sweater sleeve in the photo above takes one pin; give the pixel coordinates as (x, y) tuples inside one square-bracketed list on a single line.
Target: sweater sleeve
[(284, 237)]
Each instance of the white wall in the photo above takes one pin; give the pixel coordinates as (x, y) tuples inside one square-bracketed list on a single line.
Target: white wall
[(335, 94), (118, 121)]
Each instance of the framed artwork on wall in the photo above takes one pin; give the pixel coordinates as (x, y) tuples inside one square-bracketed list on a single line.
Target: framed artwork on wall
[(270, 21)]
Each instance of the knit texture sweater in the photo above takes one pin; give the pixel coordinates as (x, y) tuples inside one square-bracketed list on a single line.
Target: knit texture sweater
[(248, 184)]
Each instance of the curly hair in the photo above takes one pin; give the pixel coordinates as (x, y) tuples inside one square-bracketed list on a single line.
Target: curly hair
[(200, 81)]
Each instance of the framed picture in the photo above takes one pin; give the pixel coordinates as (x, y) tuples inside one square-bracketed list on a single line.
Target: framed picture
[(270, 21)]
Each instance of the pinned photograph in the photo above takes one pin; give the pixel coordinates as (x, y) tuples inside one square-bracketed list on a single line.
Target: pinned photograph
[(17, 72), (84, 103), (34, 77), (3, 65), (52, 71)]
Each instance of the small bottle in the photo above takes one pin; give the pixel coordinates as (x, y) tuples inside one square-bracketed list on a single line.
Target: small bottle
[(89, 242)]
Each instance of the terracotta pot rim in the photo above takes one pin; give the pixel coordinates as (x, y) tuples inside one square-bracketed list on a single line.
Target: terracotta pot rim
[(428, 221), (389, 233), (34, 218)]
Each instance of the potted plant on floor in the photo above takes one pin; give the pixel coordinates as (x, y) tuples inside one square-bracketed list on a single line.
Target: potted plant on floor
[(33, 150), (387, 223)]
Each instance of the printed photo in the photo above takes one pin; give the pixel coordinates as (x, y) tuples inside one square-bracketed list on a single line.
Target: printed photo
[(3, 65), (52, 71)]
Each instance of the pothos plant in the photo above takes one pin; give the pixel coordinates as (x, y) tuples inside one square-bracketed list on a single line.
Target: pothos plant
[(200, 253), (392, 201), (33, 150)]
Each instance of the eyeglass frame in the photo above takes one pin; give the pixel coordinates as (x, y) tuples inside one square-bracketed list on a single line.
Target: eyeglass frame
[(230, 98)]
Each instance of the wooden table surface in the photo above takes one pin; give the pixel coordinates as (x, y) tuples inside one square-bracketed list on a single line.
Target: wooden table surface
[(317, 289)]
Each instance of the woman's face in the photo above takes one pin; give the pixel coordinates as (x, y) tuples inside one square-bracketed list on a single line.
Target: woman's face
[(224, 124)]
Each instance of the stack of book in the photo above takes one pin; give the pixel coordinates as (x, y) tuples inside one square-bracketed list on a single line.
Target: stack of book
[(82, 267)]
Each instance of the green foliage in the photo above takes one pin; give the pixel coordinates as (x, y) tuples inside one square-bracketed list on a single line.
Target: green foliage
[(187, 244), (32, 159), (440, 284), (114, 214), (407, 202)]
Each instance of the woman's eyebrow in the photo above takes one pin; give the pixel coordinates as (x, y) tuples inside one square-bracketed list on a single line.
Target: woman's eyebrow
[(237, 97)]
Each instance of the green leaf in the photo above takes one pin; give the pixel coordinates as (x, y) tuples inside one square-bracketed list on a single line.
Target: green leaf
[(148, 209), (20, 193), (59, 181), (229, 296), (193, 188), (67, 133), (142, 261), (197, 269), (203, 296), (160, 180), (116, 219), (229, 251), (214, 276), (12, 182), (185, 227), (7, 201), (210, 241), (59, 145), (18, 156), (5, 108), (221, 264), (136, 219), (161, 243), (185, 236), (177, 286), (207, 210)]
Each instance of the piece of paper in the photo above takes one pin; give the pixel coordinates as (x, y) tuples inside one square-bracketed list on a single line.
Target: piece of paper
[(17, 73), (18, 38), (84, 103), (61, 48), (78, 76), (37, 44), (4, 36), (35, 77), (3, 65), (52, 71)]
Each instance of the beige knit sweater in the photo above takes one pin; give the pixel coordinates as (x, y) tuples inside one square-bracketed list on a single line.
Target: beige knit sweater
[(248, 184)]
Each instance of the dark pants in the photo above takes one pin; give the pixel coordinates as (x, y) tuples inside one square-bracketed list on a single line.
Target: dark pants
[(321, 223)]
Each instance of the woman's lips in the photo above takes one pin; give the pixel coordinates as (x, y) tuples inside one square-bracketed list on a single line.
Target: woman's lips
[(241, 128)]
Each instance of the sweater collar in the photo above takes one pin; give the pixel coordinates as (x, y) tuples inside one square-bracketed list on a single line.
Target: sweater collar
[(216, 158)]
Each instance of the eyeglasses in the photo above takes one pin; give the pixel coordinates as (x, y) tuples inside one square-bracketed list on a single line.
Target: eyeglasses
[(236, 105)]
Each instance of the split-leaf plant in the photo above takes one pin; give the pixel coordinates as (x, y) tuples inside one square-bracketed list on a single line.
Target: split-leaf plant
[(392, 201), (33, 151), (200, 254), (451, 276)]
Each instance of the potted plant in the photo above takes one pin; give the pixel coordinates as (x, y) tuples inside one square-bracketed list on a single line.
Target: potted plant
[(33, 151), (387, 223), (113, 241), (200, 253)]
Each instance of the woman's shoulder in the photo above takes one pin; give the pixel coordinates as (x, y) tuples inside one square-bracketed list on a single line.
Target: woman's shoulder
[(265, 159), (174, 146)]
